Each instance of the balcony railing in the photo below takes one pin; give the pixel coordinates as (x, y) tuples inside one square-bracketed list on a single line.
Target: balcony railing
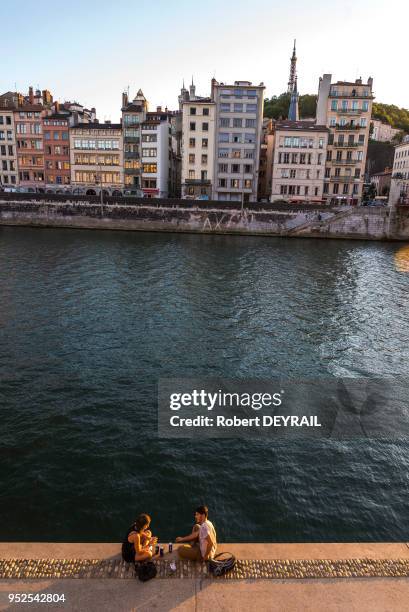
[(348, 126), (345, 162), (347, 145), (343, 179), (348, 111), (197, 181)]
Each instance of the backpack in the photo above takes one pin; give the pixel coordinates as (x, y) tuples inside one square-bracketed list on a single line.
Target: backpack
[(221, 564), (146, 571)]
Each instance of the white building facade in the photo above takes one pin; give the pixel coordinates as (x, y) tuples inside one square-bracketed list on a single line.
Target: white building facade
[(238, 134), (198, 134)]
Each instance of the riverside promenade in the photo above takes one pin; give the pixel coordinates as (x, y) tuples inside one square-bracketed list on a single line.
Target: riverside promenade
[(267, 577)]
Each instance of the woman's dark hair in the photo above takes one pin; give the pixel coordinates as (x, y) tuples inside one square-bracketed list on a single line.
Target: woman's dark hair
[(202, 510), (141, 521)]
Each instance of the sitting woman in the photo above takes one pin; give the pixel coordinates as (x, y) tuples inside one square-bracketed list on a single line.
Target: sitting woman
[(138, 544)]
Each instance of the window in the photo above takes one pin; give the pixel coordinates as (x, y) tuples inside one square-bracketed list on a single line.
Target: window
[(326, 188), (363, 122), (192, 126), (345, 189), (357, 173), (193, 110), (237, 138), (236, 153), (191, 174), (149, 137), (237, 123), (56, 135), (64, 135), (235, 168), (294, 158), (205, 127), (203, 175), (249, 154), (302, 158), (192, 142), (205, 111), (250, 123), (191, 158), (204, 159), (292, 173), (306, 190), (224, 122), (223, 137), (149, 168), (238, 108), (248, 183), (235, 183), (327, 172), (335, 188), (205, 143), (365, 105), (337, 171), (223, 167), (249, 138), (251, 108), (222, 182), (223, 152), (355, 189), (319, 159), (321, 143), (286, 158), (224, 108), (332, 121), (248, 168), (339, 155), (149, 152), (334, 105), (283, 189), (360, 155)]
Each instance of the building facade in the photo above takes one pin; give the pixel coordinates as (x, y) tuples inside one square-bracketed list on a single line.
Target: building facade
[(30, 145), (345, 108), (8, 151), (382, 132), (56, 150), (238, 133), (400, 174), (382, 181), (299, 161), (96, 156), (133, 115), (156, 153), (198, 129)]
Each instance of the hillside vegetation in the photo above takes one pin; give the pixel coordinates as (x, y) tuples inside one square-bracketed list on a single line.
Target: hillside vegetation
[(277, 107)]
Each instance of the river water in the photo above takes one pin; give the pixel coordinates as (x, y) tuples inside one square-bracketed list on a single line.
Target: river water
[(90, 320)]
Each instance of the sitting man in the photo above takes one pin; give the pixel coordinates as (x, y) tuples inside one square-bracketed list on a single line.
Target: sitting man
[(203, 538)]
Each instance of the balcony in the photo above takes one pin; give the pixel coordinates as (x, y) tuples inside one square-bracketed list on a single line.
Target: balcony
[(197, 182), (131, 155), (348, 111), (348, 127), (350, 94), (343, 179), (347, 145), (345, 162)]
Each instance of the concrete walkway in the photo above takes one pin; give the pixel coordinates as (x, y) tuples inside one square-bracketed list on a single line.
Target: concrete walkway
[(203, 594)]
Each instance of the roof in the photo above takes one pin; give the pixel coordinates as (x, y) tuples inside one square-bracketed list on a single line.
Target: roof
[(384, 173), (30, 107), (300, 126), (98, 126), (58, 116), (199, 101), (133, 107)]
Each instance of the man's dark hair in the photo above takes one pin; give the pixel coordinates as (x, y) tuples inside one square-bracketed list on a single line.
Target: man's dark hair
[(141, 521), (202, 510)]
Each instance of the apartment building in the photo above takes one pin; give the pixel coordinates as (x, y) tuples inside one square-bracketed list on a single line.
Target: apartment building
[(156, 153), (133, 115), (8, 151), (345, 108), (56, 149), (299, 161), (238, 132), (96, 156), (399, 189), (30, 145), (382, 132), (198, 137)]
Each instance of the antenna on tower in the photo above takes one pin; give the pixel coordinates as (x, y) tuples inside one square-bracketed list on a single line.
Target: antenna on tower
[(293, 71)]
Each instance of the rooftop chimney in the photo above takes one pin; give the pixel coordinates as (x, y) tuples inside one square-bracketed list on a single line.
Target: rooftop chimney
[(158, 109), (31, 95)]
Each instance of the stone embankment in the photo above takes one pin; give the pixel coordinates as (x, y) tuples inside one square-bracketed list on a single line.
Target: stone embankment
[(167, 216)]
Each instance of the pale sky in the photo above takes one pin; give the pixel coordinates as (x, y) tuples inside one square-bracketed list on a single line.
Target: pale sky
[(91, 51)]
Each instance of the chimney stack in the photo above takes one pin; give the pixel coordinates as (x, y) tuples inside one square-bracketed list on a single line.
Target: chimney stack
[(124, 99), (158, 109), (31, 95)]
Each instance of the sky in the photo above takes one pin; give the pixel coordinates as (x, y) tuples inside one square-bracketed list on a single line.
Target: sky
[(92, 51)]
